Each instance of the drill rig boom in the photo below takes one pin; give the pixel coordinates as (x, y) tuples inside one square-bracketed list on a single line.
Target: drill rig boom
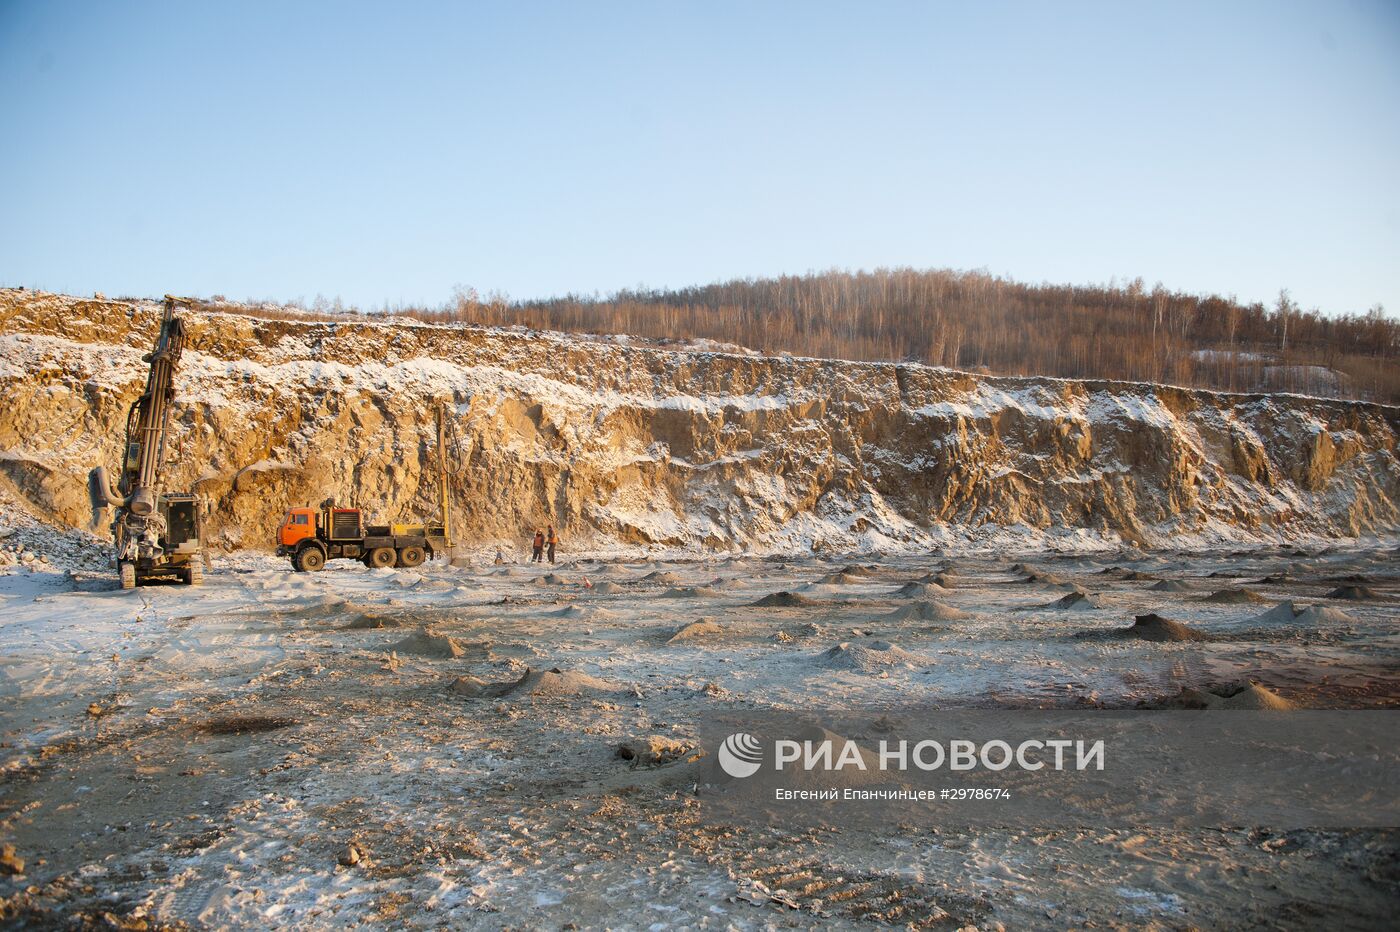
[(156, 534)]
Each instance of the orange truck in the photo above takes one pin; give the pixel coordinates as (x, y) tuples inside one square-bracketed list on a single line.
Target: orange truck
[(313, 536)]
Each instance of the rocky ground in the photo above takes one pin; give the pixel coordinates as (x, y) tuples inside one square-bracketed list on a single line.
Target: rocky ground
[(442, 747), (28, 543)]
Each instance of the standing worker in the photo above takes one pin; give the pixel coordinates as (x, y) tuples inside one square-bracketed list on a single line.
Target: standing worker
[(553, 542), (539, 546)]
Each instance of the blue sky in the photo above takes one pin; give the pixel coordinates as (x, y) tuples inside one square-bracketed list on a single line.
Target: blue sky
[(386, 153)]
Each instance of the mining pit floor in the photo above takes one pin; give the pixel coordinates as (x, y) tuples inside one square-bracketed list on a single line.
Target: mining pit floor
[(438, 747)]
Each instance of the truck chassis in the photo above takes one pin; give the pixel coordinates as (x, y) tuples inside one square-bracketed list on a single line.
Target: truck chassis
[(338, 536)]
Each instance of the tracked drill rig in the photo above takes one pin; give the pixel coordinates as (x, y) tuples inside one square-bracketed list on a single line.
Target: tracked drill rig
[(156, 533)]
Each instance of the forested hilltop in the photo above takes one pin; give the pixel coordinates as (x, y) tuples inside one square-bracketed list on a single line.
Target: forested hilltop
[(971, 320), (978, 322)]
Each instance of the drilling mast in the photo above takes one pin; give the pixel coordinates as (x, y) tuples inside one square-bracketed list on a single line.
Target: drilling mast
[(157, 534), (444, 500)]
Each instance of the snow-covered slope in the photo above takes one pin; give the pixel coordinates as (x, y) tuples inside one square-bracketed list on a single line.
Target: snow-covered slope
[(620, 443)]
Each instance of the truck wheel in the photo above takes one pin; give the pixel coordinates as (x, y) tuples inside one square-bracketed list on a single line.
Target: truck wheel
[(194, 576), (310, 560), (381, 557), (411, 556), (128, 574)]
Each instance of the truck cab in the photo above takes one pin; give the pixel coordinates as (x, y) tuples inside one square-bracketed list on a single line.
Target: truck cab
[(297, 525), (330, 525)]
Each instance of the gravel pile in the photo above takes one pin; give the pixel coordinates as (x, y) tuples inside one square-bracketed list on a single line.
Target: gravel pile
[(28, 543)]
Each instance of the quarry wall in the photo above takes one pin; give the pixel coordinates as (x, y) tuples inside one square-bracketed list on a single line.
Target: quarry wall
[(617, 442)]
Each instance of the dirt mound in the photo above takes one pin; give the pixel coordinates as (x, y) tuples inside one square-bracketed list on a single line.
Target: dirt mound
[(1255, 696), (1354, 593), (691, 592), (662, 579), (932, 610), (1154, 627), (1234, 597), (476, 688), (841, 579), (1139, 576), (406, 580), (808, 630), (588, 612), (855, 569), (696, 631), (1077, 601), (870, 657), (1248, 696), (1282, 613), (557, 682), (368, 620), (1023, 569), (548, 579), (1324, 615), (654, 751), (782, 600), (544, 683), (428, 643), (823, 591), (607, 588), (1170, 585), (918, 590)]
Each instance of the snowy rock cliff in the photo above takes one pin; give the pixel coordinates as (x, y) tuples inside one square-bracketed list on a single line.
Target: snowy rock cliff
[(623, 443)]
